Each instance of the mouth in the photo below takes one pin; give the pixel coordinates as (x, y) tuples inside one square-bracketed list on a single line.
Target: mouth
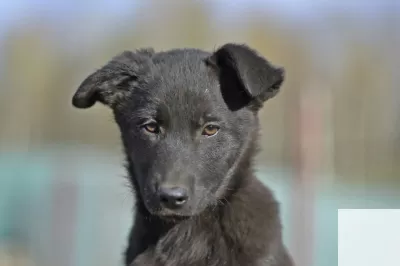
[(170, 215), (165, 213)]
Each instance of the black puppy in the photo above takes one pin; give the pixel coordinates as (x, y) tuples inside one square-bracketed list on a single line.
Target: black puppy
[(189, 125)]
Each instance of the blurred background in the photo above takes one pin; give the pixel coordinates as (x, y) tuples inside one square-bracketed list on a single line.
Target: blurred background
[(330, 139)]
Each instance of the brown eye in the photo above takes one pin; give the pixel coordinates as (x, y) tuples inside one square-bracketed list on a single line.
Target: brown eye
[(152, 128), (210, 130)]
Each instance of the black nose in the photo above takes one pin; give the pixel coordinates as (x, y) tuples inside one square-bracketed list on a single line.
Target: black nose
[(173, 197)]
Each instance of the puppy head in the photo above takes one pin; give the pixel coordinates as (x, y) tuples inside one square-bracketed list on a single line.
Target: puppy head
[(186, 117)]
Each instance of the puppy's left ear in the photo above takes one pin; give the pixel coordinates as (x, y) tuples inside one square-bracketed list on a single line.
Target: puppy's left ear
[(246, 78)]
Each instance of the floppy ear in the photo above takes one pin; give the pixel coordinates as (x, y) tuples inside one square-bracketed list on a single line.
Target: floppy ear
[(245, 74), (112, 81)]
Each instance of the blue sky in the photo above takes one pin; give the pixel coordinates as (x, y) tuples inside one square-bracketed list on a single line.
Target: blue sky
[(11, 11)]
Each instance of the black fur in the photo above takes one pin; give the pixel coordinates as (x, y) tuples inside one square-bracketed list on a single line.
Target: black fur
[(188, 119)]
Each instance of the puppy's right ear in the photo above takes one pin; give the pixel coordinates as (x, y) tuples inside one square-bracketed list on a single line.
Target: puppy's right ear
[(114, 80)]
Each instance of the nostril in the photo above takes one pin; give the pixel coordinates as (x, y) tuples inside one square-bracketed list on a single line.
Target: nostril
[(172, 200), (180, 200), (164, 198)]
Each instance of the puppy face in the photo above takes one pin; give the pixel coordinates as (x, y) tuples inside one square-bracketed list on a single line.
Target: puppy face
[(186, 118)]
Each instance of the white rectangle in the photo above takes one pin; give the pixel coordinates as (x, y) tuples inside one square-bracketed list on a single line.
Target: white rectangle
[(369, 237)]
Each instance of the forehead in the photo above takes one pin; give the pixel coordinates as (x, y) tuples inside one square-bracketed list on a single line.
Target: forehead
[(181, 83), (182, 69)]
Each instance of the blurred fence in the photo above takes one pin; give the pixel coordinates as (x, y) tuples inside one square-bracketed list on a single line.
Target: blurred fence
[(72, 206)]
